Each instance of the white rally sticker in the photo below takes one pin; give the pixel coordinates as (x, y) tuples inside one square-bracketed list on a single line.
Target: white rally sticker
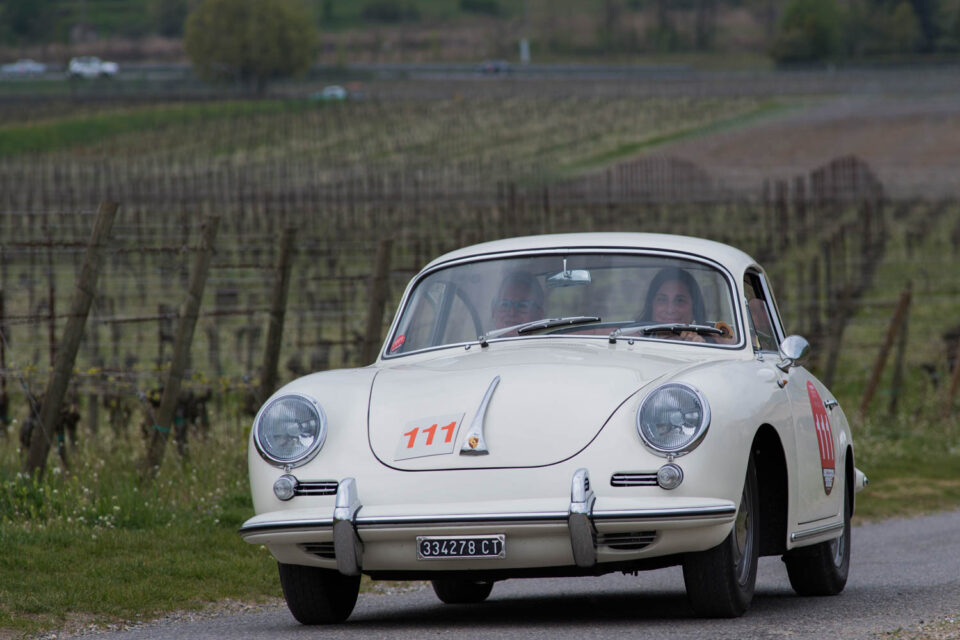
[(432, 436)]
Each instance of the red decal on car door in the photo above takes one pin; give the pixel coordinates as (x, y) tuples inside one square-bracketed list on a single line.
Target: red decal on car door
[(821, 422)]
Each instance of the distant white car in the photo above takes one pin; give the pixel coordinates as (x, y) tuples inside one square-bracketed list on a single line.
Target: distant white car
[(330, 93), (24, 67), (91, 67)]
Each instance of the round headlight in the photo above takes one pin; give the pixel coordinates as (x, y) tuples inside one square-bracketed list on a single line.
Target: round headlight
[(673, 419), (290, 430)]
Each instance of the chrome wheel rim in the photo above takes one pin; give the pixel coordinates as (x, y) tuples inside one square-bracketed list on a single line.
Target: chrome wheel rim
[(838, 545), (743, 538)]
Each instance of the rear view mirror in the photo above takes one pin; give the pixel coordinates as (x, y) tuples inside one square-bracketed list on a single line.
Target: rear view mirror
[(569, 277)]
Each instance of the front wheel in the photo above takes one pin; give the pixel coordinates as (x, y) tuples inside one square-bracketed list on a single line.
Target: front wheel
[(461, 591), (821, 569), (318, 596), (720, 581)]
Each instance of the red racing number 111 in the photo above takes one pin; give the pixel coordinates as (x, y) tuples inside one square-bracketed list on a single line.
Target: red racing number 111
[(430, 432)]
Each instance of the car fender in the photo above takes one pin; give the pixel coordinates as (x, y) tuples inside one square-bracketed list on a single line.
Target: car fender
[(344, 395), (741, 401)]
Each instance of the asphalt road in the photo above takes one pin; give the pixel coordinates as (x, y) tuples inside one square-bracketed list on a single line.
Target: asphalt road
[(903, 572)]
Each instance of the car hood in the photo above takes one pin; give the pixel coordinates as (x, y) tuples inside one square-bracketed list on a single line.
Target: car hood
[(550, 403)]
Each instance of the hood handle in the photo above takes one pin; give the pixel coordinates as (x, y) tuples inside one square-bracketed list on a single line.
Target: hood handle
[(473, 442)]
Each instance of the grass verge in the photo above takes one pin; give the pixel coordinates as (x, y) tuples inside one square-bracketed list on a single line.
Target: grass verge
[(96, 545), (55, 576)]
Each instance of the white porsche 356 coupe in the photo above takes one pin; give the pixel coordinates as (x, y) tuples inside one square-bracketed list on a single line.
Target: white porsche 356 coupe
[(561, 405)]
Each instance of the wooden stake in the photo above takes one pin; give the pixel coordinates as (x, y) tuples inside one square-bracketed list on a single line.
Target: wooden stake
[(897, 380), (4, 402), (67, 352), (954, 383), (378, 300), (278, 307), (181, 349), (895, 323)]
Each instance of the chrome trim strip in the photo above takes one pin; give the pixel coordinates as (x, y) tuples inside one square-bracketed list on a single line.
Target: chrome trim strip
[(680, 513), (639, 479), (543, 517), (315, 487), (559, 517), (286, 525), (473, 442), (816, 531)]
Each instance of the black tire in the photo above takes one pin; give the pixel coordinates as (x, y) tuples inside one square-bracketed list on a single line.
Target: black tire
[(822, 569), (720, 581), (318, 596), (452, 591)]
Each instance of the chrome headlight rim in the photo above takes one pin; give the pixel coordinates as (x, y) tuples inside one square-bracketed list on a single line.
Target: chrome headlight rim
[(690, 445), (307, 456)]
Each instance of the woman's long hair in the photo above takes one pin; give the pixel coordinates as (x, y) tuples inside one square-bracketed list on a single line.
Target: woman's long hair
[(669, 274)]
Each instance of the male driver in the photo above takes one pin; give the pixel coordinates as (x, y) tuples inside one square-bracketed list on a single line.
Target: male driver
[(519, 300)]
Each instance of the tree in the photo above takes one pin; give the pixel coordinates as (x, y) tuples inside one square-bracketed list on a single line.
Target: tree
[(27, 20), (250, 41), (905, 30), (169, 16), (809, 31), (926, 13)]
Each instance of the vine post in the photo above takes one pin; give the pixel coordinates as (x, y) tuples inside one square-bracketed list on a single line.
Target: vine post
[(896, 324), (181, 350), (377, 302), (278, 307), (67, 352)]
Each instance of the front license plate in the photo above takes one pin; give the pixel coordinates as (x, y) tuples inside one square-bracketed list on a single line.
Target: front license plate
[(444, 547)]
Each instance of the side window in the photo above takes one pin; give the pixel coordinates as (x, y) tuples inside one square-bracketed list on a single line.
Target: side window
[(762, 334)]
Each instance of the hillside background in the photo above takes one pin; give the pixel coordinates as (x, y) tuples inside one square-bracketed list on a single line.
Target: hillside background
[(705, 33)]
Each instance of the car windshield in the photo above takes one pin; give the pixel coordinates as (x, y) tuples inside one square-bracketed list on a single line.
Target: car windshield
[(597, 295)]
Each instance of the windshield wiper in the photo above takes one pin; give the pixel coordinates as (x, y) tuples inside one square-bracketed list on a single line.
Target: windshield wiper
[(536, 325), (680, 327), (672, 327)]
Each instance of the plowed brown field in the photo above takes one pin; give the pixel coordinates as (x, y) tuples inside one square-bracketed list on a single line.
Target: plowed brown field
[(913, 144)]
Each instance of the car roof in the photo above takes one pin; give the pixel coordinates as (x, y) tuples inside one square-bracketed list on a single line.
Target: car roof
[(732, 258)]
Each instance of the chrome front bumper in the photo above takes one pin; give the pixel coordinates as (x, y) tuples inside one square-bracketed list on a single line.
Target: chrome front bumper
[(584, 522)]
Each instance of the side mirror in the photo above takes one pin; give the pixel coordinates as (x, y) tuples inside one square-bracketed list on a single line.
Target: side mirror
[(793, 349)]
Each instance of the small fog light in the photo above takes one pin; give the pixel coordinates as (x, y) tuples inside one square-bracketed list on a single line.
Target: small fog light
[(669, 476), (284, 487)]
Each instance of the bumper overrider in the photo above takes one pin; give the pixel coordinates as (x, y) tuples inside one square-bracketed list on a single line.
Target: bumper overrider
[(590, 531)]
